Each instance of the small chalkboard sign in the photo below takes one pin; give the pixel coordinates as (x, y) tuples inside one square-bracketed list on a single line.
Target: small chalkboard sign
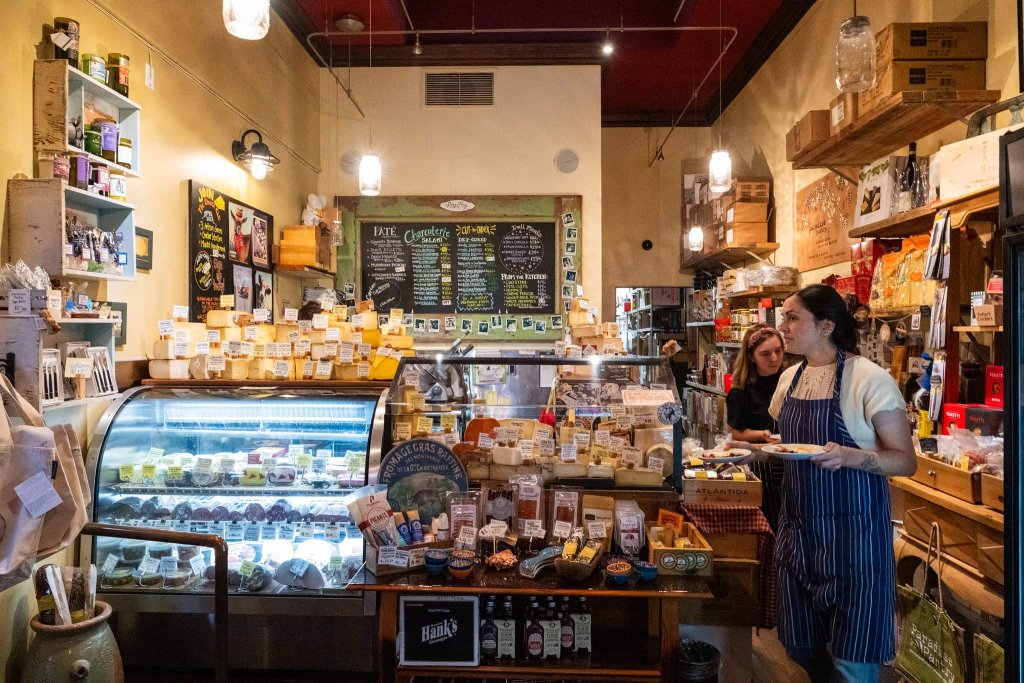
[(439, 630)]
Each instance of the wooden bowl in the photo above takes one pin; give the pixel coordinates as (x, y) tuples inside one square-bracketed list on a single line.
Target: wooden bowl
[(576, 571)]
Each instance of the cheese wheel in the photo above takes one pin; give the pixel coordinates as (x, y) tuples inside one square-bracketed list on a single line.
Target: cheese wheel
[(663, 451), (645, 437), (218, 318), (168, 369)]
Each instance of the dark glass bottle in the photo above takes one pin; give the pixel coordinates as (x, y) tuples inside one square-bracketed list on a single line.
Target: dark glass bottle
[(534, 632), (905, 198), (568, 629), (489, 633)]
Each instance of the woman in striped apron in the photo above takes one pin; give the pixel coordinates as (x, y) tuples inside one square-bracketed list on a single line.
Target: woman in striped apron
[(835, 545)]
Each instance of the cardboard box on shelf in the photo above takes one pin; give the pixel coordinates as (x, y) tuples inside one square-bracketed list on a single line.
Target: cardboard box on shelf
[(858, 285), (970, 165), (936, 40), (808, 133), (752, 189), (901, 76), (954, 415), (994, 386), (738, 233), (747, 212), (842, 112), (984, 421), (989, 315), (864, 254), (876, 190)]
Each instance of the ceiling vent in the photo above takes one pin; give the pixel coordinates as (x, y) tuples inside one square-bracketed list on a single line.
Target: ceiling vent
[(449, 89)]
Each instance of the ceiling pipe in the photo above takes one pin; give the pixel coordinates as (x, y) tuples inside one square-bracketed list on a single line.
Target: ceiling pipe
[(679, 10)]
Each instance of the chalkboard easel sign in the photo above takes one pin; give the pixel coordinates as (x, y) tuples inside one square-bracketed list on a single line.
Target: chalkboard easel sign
[(496, 268)]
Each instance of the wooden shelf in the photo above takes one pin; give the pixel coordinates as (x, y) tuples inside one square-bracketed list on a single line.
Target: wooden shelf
[(732, 255), (100, 161), (897, 121), (919, 221), (86, 321), (901, 312), (76, 198), (304, 272), (977, 328), (86, 275), (101, 90), (977, 513), (710, 390), (771, 290)]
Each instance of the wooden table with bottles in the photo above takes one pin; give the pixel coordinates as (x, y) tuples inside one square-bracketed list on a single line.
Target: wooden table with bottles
[(620, 614)]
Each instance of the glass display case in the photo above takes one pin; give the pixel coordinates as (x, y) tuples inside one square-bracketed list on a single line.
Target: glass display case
[(591, 421), (266, 468)]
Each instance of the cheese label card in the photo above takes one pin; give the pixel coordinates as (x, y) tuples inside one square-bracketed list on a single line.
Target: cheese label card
[(546, 446), (448, 421), (363, 370), (332, 334), (109, 563), (260, 315), (616, 444), (291, 315), (247, 348), (563, 530), (582, 440), (179, 312), (281, 369), (305, 326), (364, 349), (126, 472), (149, 472), (213, 336), (601, 437), (403, 431), (166, 327), (204, 464), (216, 363), (533, 528), (149, 565), (526, 447), (356, 338), (467, 534), (202, 348), (198, 564), (596, 529), (485, 441), (599, 451), (632, 455), (655, 463), (247, 568), (569, 452), (323, 368), (227, 300), (424, 425), (249, 333), (319, 321)]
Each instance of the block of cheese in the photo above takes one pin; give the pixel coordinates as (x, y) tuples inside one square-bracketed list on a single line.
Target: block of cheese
[(318, 351), (348, 372), (196, 331), (323, 371), (526, 428), (634, 477), (396, 341), (197, 367), (367, 320), (219, 318), (265, 333), (286, 333), (610, 329), (383, 367), (580, 331), (477, 471), (236, 368), (231, 334), (507, 456), (602, 471), (578, 318), (304, 368), (371, 337), (164, 349), (168, 369), (569, 469), (263, 368), (566, 435)]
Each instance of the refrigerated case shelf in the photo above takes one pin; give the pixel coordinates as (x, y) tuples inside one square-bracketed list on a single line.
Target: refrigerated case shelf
[(236, 491)]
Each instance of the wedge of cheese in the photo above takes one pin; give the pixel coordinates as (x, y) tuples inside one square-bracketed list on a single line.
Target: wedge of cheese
[(367, 320), (304, 368), (383, 367), (168, 369), (569, 470), (218, 318), (396, 341), (349, 372), (477, 471), (197, 367), (507, 456), (263, 368)]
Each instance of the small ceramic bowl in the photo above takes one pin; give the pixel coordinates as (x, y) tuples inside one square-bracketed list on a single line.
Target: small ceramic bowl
[(435, 569), (464, 555), (618, 572), (645, 571), (436, 557), (460, 568)]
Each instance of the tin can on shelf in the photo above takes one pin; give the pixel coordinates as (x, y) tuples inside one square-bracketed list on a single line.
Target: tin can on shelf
[(117, 72), (54, 165), (80, 171), (95, 66), (124, 152), (93, 140), (108, 139), (65, 39)]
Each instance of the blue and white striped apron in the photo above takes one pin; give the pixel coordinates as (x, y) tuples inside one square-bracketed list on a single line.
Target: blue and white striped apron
[(834, 552)]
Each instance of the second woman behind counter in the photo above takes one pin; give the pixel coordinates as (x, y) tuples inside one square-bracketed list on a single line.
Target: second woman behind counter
[(755, 375)]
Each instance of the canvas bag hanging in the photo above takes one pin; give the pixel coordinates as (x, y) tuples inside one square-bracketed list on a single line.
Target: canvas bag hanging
[(989, 661), (25, 451), (931, 646), (61, 524)]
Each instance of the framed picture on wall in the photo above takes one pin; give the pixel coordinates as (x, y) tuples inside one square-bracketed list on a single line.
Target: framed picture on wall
[(143, 249)]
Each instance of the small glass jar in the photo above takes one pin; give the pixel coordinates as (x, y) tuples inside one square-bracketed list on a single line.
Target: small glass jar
[(93, 140), (80, 171), (95, 67), (108, 140), (124, 152), (54, 165), (117, 72), (855, 55), (100, 180), (118, 187)]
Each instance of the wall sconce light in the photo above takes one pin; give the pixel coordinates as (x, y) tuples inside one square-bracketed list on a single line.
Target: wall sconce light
[(247, 19), (258, 158)]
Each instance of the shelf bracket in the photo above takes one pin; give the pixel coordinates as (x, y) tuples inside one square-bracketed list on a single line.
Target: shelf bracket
[(843, 174), (953, 112)]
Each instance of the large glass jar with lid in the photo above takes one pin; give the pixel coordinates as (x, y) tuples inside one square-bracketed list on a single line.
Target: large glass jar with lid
[(855, 55)]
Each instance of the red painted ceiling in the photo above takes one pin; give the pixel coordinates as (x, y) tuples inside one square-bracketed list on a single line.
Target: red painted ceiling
[(647, 81)]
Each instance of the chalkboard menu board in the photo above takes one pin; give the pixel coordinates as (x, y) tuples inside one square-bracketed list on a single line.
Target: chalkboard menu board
[(229, 253), (465, 267)]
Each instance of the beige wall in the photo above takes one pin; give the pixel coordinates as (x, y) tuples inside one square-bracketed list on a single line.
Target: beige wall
[(186, 133), (508, 148), (642, 201)]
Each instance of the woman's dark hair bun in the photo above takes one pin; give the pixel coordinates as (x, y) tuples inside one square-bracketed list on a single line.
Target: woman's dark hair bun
[(825, 303)]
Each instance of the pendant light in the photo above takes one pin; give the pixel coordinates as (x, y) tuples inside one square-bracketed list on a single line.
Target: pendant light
[(247, 19), (369, 165), (608, 47), (720, 166), (855, 54), (695, 238)]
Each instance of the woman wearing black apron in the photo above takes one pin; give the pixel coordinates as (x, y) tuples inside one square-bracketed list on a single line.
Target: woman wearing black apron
[(755, 375), (835, 544)]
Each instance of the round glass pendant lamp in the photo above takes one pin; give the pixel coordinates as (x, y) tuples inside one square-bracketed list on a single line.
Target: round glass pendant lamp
[(369, 175), (855, 55), (247, 19), (720, 172)]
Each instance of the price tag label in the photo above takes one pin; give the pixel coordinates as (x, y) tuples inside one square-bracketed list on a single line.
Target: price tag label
[(227, 300), (356, 338), (602, 437), (225, 464), (655, 463), (526, 447), (335, 563), (281, 369), (251, 532), (383, 352), (582, 440), (250, 332), (149, 471), (179, 312), (181, 349), (291, 315), (175, 472), (424, 425), (247, 348), (149, 565), (155, 453), (299, 567), (467, 535), (632, 455), (216, 363), (568, 452), (260, 315), (286, 532), (596, 529), (202, 348), (485, 441), (305, 326), (233, 532), (345, 354), (363, 370), (180, 336), (617, 410), (562, 530), (78, 367), (204, 464), (293, 336), (448, 421), (168, 564), (109, 563), (599, 451), (303, 460), (574, 352), (418, 401), (915, 321), (302, 347), (616, 444), (331, 349), (403, 431), (20, 302), (198, 565), (323, 368), (386, 555), (363, 350), (268, 532), (497, 529), (332, 334), (547, 447), (126, 472), (533, 528), (247, 568), (319, 321)]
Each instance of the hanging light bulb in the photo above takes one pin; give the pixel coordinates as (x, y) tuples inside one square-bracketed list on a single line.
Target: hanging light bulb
[(259, 169), (369, 175), (608, 47), (417, 48), (720, 172), (247, 19), (855, 54), (695, 238)]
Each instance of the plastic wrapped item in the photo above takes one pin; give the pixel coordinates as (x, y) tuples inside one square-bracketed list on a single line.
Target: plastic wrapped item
[(775, 276)]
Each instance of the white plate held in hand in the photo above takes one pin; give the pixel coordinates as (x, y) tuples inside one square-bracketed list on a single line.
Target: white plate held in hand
[(725, 455), (793, 451)]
